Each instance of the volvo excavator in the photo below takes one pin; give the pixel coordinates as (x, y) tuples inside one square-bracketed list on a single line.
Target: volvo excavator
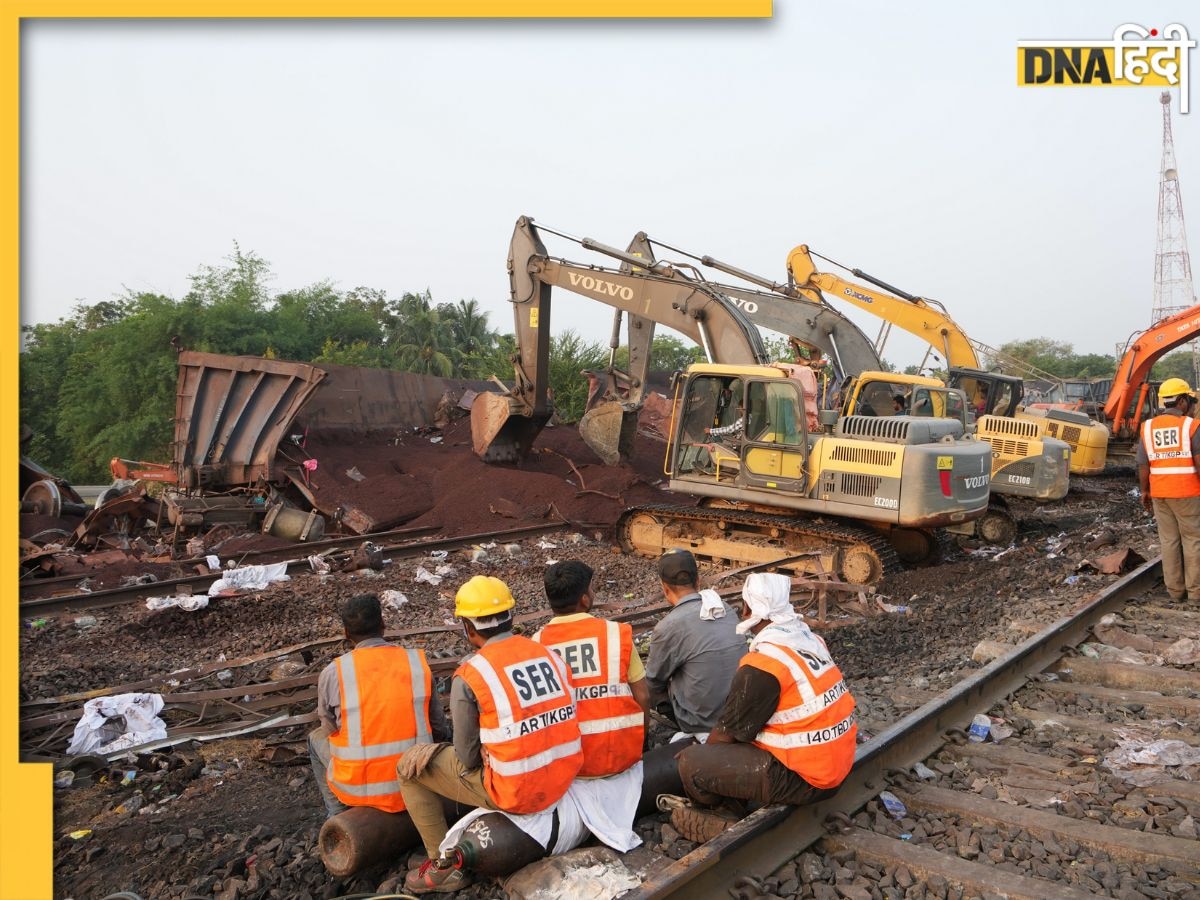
[(1131, 398), (1024, 463), (852, 497)]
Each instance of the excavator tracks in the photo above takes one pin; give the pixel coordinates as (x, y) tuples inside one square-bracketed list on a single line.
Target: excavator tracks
[(740, 537)]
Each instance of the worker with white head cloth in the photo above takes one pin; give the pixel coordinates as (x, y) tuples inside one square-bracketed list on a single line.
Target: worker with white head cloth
[(787, 732)]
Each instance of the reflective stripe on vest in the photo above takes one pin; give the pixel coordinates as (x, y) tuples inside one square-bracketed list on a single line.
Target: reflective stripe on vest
[(813, 730), (374, 732), (611, 721), (527, 724), (1167, 441)]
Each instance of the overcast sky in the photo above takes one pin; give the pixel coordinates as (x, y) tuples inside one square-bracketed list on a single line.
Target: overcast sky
[(398, 154)]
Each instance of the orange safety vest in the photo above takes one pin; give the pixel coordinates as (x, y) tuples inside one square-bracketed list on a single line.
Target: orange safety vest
[(611, 722), (813, 731), (527, 724), (1168, 443), (385, 695)]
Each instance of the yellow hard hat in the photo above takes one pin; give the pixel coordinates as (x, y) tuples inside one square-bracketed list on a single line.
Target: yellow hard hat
[(1173, 387), (482, 596)]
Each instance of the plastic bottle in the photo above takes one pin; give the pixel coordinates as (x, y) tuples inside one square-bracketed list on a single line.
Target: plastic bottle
[(893, 804), (980, 726)]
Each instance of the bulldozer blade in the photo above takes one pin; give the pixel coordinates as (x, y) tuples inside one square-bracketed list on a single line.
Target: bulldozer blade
[(499, 432), (608, 429)]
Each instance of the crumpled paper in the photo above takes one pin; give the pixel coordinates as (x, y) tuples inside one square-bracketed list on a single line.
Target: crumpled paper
[(111, 724), (1184, 652), (1142, 762)]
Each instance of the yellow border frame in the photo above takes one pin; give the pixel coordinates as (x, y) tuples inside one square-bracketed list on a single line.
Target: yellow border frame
[(26, 802)]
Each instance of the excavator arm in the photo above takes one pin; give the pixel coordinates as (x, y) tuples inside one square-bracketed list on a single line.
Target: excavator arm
[(1124, 405), (796, 312), (503, 427), (916, 315)]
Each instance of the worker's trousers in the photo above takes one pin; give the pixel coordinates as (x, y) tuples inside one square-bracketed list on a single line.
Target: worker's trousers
[(1178, 521), (318, 754), (712, 772), (446, 777)]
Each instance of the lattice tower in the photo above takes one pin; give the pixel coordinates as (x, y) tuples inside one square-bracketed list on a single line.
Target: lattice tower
[(1173, 291)]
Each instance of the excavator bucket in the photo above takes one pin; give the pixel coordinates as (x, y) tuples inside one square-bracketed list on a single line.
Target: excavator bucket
[(608, 429), (500, 431)]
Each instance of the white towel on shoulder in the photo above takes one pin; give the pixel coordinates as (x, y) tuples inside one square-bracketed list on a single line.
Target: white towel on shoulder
[(711, 605)]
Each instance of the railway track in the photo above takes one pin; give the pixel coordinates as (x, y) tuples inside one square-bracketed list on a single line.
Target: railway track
[(1037, 815), (34, 600)]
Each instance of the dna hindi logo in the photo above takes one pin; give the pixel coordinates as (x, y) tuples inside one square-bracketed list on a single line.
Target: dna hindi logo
[(1135, 57)]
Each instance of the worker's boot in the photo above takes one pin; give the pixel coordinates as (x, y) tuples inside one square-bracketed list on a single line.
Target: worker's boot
[(438, 876), (700, 825)]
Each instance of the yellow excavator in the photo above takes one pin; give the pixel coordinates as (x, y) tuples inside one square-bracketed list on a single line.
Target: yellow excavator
[(1024, 463), (851, 496), (996, 398)]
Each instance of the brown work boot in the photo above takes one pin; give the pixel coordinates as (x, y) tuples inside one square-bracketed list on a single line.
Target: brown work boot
[(438, 876), (700, 825)]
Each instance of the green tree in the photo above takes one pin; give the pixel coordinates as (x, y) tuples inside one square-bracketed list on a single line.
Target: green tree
[(1175, 365), (422, 340)]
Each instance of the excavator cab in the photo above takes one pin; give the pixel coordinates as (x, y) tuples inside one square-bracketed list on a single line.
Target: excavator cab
[(735, 429), (988, 393)]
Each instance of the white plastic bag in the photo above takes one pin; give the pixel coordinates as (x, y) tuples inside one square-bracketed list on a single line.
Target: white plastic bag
[(249, 578), (117, 723), (183, 601)]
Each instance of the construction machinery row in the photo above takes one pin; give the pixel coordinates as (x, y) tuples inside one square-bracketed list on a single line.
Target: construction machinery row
[(847, 478)]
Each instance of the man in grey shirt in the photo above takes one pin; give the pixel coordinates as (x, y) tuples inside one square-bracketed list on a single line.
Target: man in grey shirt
[(692, 660)]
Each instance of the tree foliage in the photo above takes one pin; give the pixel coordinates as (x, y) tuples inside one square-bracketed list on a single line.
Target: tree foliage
[(1059, 358), (101, 382)]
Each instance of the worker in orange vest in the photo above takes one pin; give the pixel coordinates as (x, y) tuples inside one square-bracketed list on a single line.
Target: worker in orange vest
[(516, 738), (1168, 460), (373, 703), (787, 731), (610, 681)]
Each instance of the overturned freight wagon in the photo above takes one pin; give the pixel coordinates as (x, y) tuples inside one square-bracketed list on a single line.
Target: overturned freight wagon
[(257, 440)]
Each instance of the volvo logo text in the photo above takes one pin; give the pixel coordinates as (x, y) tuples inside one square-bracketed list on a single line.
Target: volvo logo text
[(588, 283)]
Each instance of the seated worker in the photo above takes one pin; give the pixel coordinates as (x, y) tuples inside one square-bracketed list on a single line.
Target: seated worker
[(787, 732), (727, 455), (694, 649), (981, 400), (609, 679), (373, 703), (899, 406), (922, 405), (516, 738)]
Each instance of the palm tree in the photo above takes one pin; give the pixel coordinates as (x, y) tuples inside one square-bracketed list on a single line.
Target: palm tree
[(421, 339)]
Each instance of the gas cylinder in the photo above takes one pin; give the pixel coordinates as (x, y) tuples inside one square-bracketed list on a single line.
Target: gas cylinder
[(660, 774), (493, 846), (362, 836)]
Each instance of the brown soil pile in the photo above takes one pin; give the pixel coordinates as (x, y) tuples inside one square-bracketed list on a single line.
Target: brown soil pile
[(435, 479)]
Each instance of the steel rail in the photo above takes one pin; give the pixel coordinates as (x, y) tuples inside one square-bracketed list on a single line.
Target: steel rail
[(120, 596), (37, 587), (769, 837)]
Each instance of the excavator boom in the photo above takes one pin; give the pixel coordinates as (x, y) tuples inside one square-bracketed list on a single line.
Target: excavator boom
[(1121, 408), (915, 315), (503, 427)]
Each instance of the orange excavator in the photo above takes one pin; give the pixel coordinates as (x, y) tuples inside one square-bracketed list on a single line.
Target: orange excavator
[(1131, 399)]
